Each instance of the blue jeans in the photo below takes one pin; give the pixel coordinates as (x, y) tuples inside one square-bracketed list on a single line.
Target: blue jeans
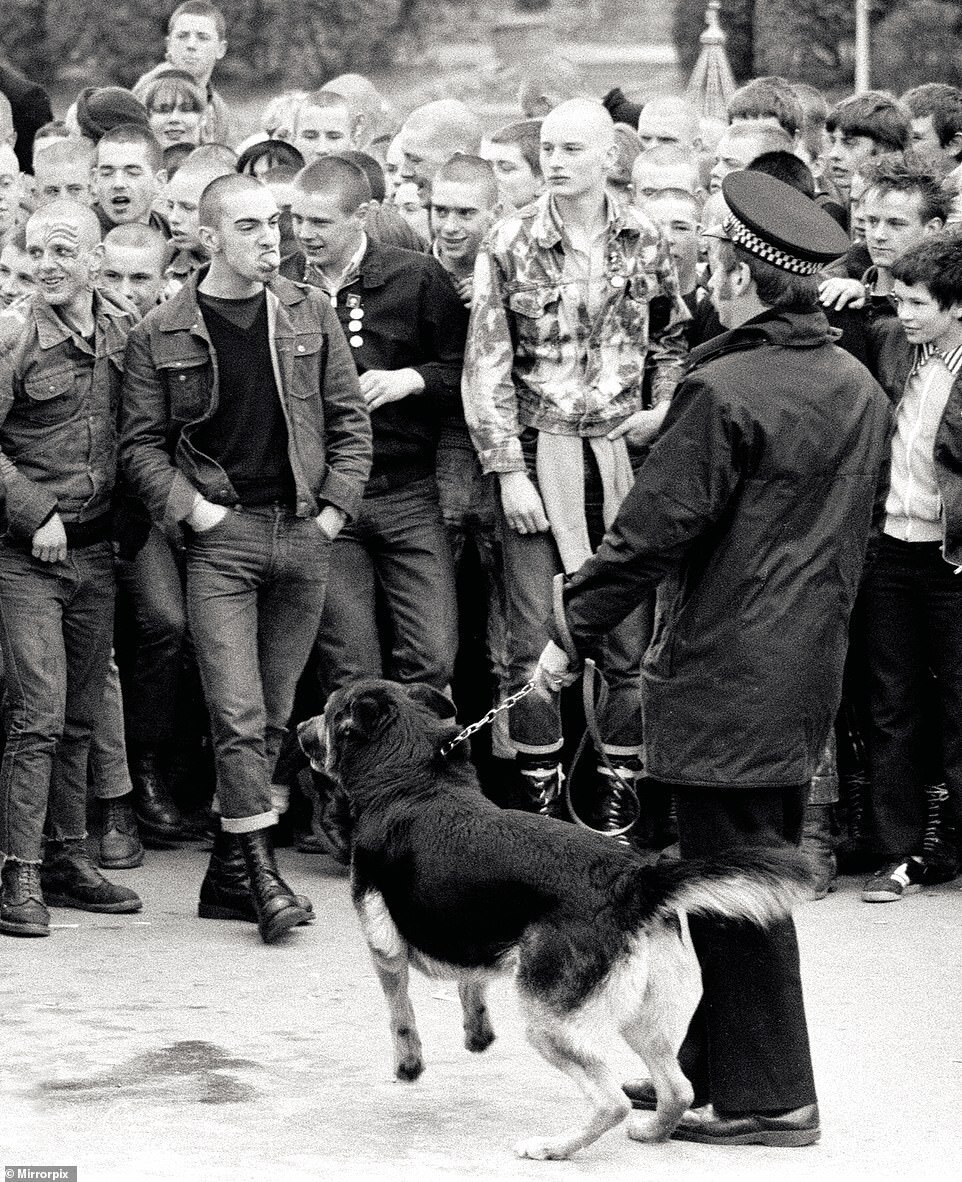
[(396, 548), (255, 592), (56, 628), (152, 582), (470, 508), (109, 773)]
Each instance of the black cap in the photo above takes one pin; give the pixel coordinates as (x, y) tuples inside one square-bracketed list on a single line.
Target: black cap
[(779, 224)]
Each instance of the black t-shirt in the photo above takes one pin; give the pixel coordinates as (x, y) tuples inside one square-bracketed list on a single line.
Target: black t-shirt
[(247, 434)]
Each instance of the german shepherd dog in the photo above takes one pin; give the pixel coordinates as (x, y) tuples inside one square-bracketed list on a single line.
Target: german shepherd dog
[(597, 942)]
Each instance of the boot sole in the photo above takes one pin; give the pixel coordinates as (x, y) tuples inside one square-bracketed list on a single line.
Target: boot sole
[(213, 911), (775, 1138), (281, 922), (24, 929), (121, 863), (127, 907)]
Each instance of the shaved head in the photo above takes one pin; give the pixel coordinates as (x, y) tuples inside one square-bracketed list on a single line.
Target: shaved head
[(211, 207), (71, 216), (584, 116)]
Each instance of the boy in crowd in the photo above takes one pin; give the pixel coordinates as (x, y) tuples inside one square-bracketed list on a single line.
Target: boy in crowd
[(936, 110), (62, 169), (324, 126), (16, 274), (911, 600), (464, 205), (665, 166), (669, 120), (741, 143), (544, 400), (901, 204), (678, 214), (243, 423), (770, 101), (60, 381), (515, 154), (180, 199), (128, 174), (860, 128), (196, 42), (134, 261), (405, 326), (430, 136)]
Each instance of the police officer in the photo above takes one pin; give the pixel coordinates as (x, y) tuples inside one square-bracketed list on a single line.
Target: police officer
[(753, 513)]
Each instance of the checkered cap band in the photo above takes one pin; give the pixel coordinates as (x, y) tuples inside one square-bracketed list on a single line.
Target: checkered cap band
[(738, 232)]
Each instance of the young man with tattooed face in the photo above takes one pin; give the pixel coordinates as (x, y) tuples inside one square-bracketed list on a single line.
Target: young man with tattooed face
[(60, 373)]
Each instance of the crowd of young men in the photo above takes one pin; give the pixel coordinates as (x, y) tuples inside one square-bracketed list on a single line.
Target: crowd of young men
[(343, 400)]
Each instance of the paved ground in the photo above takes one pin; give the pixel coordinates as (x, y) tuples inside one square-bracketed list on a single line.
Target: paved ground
[(161, 1046)]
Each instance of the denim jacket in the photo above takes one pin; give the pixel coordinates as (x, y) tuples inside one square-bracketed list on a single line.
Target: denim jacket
[(539, 356), (171, 387), (59, 397)]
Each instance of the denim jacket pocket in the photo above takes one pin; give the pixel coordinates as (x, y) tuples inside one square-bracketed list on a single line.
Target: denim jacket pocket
[(309, 350), (51, 397), (188, 388)]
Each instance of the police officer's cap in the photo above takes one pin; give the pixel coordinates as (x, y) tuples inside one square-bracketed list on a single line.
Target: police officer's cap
[(779, 224)]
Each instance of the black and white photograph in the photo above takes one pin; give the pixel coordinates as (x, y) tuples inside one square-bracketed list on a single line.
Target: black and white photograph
[(480, 590)]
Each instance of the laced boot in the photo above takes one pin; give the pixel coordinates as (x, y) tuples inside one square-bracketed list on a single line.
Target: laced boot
[(225, 892), (159, 819), (70, 879), (542, 781), (120, 844), (274, 901), (616, 808), (940, 853), (22, 910)]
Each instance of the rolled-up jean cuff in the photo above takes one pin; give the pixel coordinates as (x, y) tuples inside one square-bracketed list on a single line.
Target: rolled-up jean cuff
[(5, 858), (114, 791), (529, 749), (248, 824)]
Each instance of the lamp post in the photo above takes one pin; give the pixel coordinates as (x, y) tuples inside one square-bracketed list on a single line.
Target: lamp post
[(863, 47)]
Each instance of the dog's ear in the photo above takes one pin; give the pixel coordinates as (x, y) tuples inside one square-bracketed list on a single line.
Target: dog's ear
[(438, 703), (366, 713)]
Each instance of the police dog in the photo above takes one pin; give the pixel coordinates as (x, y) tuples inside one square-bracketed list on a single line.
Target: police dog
[(597, 942)]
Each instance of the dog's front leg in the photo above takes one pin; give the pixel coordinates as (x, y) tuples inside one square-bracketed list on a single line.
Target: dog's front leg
[(478, 1032), (393, 974)]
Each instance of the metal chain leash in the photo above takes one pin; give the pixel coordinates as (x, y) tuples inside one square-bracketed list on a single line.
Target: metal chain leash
[(491, 715)]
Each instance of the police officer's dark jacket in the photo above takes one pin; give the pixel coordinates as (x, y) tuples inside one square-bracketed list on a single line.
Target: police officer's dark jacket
[(753, 513)]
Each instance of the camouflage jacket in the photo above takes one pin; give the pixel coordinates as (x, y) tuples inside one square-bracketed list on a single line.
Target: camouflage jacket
[(539, 357)]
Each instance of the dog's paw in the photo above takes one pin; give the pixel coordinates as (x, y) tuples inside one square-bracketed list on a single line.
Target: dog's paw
[(409, 1068), (479, 1040), (543, 1148)]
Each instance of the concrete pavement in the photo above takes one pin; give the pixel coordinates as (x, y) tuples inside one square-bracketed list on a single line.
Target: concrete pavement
[(159, 1046)]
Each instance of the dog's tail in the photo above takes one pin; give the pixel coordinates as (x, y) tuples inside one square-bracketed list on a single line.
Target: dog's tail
[(758, 885)]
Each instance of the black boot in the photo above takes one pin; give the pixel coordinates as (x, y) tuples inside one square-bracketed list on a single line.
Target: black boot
[(70, 879), (276, 904), (22, 910), (541, 785), (120, 845), (225, 892), (160, 821), (616, 808), (940, 853)]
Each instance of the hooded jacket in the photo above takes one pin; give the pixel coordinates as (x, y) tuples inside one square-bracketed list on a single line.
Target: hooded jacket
[(753, 512)]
